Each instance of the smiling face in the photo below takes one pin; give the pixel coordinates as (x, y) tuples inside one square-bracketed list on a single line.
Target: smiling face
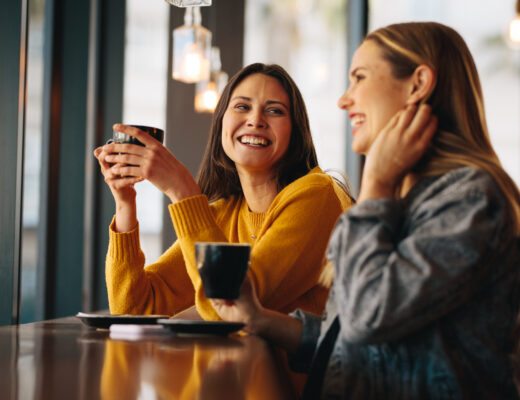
[(374, 95), (256, 127)]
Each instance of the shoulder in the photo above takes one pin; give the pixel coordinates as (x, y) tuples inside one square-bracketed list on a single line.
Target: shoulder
[(315, 181), (465, 198), (316, 188), (466, 183)]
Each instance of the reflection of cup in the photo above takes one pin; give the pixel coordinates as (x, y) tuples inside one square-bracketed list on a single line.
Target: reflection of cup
[(119, 137), (222, 268)]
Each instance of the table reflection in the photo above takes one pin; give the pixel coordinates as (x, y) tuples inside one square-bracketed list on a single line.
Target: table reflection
[(235, 367), (62, 359)]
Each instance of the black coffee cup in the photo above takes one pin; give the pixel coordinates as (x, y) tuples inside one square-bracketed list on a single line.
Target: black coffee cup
[(119, 137), (222, 268)]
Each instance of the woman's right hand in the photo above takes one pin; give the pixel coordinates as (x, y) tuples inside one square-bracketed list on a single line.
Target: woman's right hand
[(396, 150), (123, 191)]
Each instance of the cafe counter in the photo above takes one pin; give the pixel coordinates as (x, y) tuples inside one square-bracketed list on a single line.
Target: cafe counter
[(63, 359)]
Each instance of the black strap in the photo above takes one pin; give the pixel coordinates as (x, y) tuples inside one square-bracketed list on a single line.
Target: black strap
[(312, 389)]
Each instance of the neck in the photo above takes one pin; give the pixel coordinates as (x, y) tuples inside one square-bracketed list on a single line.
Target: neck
[(408, 181), (259, 190)]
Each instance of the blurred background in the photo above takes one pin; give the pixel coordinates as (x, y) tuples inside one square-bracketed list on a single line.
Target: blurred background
[(123, 73)]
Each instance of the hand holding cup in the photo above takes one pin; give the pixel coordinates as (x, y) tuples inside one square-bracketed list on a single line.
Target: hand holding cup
[(150, 160)]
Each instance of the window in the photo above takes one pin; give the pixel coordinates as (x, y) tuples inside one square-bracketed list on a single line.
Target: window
[(308, 39), (144, 101), (483, 28), (32, 161)]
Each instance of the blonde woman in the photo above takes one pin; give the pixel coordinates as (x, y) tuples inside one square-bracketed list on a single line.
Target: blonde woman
[(426, 265)]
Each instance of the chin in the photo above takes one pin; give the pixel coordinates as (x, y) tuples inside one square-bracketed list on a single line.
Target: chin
[(357, 148)]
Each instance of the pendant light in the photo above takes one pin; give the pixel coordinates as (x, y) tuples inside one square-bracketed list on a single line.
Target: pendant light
[(187, 3), (207, 93), (514, 26), (191, 48)]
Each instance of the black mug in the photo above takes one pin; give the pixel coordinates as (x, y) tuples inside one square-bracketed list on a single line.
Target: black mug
[(119, 137), (222, 268)]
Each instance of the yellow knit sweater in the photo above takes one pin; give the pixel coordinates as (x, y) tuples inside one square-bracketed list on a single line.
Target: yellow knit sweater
[(287, 254)]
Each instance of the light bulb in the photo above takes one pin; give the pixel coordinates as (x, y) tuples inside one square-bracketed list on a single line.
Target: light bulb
[(514, 30), (206, 101), (194, 67), (207, 93)]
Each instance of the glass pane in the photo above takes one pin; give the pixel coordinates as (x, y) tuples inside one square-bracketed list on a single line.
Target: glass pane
[(307, 38), (32, 161), (484, 30), (144, 100)]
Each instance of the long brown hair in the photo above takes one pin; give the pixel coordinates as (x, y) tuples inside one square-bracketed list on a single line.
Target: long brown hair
[(218, 177), (462, 138)]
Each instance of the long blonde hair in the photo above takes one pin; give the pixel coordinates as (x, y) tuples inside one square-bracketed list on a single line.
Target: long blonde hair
[(462, 138)]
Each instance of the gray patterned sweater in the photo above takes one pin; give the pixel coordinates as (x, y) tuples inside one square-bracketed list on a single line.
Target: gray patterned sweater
[(426, 291)]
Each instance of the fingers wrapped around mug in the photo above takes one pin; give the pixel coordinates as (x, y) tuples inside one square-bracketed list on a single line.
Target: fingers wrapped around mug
[(153, 162), (112, 168)]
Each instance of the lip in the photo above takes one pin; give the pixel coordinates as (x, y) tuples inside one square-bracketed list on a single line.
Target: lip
[(353, 116)]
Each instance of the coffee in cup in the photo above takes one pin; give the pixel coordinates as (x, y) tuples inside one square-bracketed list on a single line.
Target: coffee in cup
[(222, 267)]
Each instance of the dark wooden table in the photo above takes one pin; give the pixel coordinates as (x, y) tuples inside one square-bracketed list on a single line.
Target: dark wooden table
[(62, 359)]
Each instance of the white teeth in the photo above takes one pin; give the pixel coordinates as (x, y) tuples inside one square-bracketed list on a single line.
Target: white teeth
[(253, 140), (357, 120)]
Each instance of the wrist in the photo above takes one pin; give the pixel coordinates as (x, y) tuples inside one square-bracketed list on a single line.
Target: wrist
[(259, 322), (372, 188), (126, 218)]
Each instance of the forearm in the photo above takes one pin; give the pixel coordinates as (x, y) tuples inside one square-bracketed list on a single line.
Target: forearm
[(280, 329), (126, 217)]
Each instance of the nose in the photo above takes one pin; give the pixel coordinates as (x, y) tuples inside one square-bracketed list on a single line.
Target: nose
[(345, 101), (256, 119)]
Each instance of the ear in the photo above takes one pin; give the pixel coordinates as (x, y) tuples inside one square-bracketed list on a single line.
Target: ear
[(422, 84)]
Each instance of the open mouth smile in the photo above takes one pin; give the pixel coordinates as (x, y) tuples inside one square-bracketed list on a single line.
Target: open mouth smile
[(256, 141), (357, 120)]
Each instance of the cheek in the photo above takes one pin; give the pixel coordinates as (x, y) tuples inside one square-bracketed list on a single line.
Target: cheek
[(226, 121), (284, 139), (228, 128), (286, 130)]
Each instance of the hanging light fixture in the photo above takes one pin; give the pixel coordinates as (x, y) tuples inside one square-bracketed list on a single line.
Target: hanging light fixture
[(187, 3), (207, 93), (514, 26), (191, 48)]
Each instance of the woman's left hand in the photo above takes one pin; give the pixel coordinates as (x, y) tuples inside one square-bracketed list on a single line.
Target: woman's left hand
[(397, 148), (153, 162)]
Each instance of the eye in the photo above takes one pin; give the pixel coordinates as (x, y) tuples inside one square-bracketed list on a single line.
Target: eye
[(276, 111), (241, 107), (359, 77)]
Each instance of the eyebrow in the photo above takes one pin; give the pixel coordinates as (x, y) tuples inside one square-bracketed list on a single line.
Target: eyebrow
[(267, 102), (355, 70)]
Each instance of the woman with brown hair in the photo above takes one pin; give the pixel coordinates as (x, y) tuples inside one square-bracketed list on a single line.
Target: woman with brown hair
[(259, 183), (426, 264)]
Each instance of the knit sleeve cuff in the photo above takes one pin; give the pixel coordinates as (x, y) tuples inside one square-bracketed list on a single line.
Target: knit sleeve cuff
[(191, 215), (123, 246), (301, 360)]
